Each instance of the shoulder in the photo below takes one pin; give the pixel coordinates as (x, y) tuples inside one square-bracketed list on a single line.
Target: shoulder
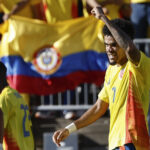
[(4, 92), (144, 61), (141, 71), (4, 98), (10, 95)]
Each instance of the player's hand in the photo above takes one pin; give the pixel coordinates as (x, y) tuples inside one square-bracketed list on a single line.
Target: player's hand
[(60, 135), (97, 12)]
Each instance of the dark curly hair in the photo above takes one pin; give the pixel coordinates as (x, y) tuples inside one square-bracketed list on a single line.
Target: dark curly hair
[(124, 25)]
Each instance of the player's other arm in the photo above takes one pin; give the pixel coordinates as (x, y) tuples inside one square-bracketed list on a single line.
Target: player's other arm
[(1, 128), (123, 40), (90, 116), (20, 5)]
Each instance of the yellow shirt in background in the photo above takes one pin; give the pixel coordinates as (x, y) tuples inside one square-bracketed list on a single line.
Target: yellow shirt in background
[(59, 10), (126, 89), (17, 121)]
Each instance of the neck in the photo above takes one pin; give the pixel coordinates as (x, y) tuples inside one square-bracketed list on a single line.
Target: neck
[(122, 62)]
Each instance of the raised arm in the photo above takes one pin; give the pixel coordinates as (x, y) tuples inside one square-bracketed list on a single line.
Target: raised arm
[(122, 39), (1, 128), (90, 116), (20, 5)]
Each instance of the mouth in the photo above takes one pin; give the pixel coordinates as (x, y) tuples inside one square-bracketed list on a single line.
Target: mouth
[(111, 56)]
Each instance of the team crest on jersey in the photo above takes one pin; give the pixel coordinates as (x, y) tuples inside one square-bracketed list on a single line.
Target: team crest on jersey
[(121, 74), (47, 60)]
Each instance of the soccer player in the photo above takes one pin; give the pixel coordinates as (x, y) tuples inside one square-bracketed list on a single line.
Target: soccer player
[(15, 123), (125, 91)]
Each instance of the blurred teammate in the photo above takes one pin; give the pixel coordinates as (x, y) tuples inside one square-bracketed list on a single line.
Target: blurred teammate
[(125, 91), (15, 123)]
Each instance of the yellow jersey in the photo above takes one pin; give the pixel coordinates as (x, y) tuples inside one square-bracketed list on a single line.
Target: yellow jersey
[(17, 121), (59, 10), (126, 89)]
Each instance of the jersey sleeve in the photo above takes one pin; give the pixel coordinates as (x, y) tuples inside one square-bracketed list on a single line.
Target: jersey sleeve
[(143, 69), (103, 94)]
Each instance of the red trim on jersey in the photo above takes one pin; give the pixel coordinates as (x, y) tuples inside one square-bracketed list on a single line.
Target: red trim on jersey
[(136, 129), (10, 143)]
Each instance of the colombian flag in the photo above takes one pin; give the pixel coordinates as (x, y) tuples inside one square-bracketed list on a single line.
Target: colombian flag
[(49, 58)]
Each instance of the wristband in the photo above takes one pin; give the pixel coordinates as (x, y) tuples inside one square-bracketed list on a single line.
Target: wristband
[(1, 146), (71, 127)]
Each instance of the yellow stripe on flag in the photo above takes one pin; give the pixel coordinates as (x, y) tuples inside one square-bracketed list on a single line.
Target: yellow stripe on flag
[(26, 36)]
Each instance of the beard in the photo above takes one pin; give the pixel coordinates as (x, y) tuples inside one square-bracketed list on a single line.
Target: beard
[(112, 63)]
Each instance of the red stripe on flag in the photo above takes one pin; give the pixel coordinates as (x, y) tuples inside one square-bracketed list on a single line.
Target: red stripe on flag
[(39, 86)]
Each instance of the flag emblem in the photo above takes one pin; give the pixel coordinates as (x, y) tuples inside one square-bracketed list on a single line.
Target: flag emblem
[(47, 60)]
